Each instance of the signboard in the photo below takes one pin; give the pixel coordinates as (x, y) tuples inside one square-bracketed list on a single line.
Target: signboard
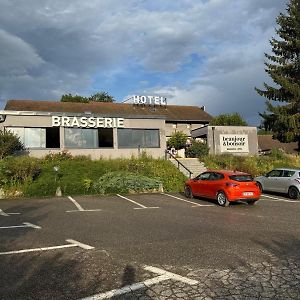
[(149, 100), (87, 122), (234, 143)]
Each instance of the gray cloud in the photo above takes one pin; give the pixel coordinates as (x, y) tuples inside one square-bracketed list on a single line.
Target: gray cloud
[(50, 47)]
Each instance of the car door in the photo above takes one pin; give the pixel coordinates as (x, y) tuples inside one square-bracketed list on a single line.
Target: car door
[(271, 181), (285, 181), (213, 184), (200, 185)]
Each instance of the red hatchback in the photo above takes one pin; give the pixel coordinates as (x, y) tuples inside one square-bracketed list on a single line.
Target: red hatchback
[(224, 186)]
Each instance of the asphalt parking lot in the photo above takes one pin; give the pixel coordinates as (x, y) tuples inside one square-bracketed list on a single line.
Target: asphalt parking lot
[(149, 246)]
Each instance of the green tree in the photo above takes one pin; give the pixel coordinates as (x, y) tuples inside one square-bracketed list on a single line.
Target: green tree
[(9, 143), (98, 97), (74, 98), (233, 119), (197, 149), (177, 140), (102, 97), (284, 69)]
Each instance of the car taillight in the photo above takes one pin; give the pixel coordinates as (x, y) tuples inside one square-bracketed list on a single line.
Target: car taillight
[(231, 184), (298, 180)]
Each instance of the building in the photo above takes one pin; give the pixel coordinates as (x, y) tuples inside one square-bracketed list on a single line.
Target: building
[(99, 129), (236, 140)]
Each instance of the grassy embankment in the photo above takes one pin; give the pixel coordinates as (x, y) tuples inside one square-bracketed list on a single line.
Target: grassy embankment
[(254, 165), (79, 175), (31, 177)]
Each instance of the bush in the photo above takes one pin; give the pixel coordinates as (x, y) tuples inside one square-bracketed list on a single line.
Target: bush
[(9, 144), (177, 140), (125, 182), (197, 149), (20, 170)]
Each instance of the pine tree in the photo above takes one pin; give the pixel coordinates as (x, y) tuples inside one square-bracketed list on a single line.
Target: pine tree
[(284, 68)]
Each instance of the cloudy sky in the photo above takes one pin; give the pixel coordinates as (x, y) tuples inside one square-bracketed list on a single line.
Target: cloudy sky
[(195, 52)]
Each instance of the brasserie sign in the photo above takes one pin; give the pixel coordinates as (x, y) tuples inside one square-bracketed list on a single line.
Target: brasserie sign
[(234, 143), (87, 122)]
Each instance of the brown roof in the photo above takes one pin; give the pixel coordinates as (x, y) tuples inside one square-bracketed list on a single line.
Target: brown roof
[(266, 143), (170, 112)]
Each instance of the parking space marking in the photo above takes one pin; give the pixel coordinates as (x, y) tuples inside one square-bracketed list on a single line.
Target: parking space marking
[(72, 243), (138, 204), (25, 224), (79, 207), (184, 200), (2, 213), (279, 199), (171, 275), (163, 276)]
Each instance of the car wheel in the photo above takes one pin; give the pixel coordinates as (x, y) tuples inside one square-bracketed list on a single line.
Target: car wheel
[(222, 199), (293, 193), (188, 192), (260, 186), (252, 202)]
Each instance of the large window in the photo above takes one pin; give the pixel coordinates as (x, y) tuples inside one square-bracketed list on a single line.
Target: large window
[(32, 137), (134, 138), (88, 138), (81, 138)]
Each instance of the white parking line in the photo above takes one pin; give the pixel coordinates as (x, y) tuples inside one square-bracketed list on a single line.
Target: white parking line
[(163, 276), (171, 275), (72, 243), (26, 224), (80, 208), (184, 200), (138, 204), (2, 213), (279, 199)]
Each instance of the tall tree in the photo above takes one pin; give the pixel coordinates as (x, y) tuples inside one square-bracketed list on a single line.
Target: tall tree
[(233, 119), (102, 97), (73, 98), (284, 69), (98, 97)]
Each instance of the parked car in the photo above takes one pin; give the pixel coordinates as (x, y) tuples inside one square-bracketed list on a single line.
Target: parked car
[(281, 180), (224, 186)]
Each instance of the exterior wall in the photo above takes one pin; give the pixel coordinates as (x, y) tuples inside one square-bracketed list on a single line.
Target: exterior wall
[(184, 127), (95, 153), (213, 138)]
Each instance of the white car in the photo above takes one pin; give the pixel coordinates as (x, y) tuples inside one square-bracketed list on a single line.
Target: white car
[(281, 180)]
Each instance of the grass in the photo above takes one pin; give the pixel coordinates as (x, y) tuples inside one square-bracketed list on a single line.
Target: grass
[(80, 175), (254, 165)]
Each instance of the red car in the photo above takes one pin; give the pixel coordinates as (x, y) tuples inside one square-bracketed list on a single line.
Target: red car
[(224, 186)]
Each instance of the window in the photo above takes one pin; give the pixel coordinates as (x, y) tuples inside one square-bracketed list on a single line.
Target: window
[(134, 138), (287, 173), (52, 137), (204, 176), (275, 173), (241, 178), (32, 137), (216, 176), (81, 138), (105, 138)]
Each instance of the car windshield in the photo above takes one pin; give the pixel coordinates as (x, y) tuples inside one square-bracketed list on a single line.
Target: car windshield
[(241, 177)]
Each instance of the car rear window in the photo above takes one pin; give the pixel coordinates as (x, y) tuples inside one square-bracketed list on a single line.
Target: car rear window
[(241, 178)]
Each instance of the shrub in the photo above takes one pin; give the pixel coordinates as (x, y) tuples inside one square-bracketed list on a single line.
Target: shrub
[(17, 171), (9, 144), (177, 140), (197, 149), (60, 156), (125, 182)]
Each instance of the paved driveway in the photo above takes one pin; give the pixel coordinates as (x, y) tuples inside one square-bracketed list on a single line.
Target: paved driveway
[(150, 246)]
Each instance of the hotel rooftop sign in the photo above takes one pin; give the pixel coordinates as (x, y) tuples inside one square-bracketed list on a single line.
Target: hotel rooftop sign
[(147, 100)]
